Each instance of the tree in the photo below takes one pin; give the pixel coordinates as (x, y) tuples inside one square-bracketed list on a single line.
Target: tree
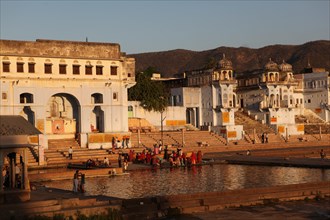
[(150, 93)]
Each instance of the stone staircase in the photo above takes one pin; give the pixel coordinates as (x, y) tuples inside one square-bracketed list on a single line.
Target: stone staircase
[(57, 153), (249, 124), (59, 208), (33, 158), (141, 208), (312, 123), (159, 207), (174, 138)]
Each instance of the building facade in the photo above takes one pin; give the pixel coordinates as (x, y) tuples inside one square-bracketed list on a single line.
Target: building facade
[(314, 88), (67, 89), (269, 95), (209, 97)]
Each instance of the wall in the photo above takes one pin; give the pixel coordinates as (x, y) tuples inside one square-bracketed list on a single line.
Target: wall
[(172, 115)]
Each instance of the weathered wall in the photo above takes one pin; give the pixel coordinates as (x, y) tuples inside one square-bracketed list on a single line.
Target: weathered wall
[(55, 48)]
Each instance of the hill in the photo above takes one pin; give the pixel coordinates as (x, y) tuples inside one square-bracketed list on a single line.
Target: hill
[(244, 59)]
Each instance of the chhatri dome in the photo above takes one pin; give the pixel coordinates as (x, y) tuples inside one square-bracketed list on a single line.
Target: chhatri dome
[(271, 65), (285, 66), (224, 63)]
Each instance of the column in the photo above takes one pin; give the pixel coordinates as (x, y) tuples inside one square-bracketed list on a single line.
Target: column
[(183, 142), (25, 170), (12, 172), (1, 167)]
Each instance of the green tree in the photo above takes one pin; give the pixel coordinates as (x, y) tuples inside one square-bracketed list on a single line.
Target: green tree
[(151, 94)]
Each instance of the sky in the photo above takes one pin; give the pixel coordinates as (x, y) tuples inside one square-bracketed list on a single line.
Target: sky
[(150, 26)]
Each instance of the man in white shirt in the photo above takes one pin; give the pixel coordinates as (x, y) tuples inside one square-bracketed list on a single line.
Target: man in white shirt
[(70, 153)]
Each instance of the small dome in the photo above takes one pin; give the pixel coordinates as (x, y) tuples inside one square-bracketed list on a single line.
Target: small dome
[(271, 65), (285, 66), (225, 63)]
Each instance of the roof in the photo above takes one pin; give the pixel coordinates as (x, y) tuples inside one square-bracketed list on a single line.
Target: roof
[(16, 125)]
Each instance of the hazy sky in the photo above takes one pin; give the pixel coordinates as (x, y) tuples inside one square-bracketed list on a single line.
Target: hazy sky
[(145, 26)]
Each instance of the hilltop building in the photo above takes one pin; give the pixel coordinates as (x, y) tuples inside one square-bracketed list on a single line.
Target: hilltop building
[(67, 89)]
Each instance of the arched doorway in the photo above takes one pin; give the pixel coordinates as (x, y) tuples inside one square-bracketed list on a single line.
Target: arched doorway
[(192, 116), (63, 114), (97, 119)]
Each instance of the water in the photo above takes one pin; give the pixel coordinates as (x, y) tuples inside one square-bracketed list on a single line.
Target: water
[(142, 183)]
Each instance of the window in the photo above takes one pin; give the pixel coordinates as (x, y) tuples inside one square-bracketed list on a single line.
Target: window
[(115, 96), (48, 68), (4, 96), (97, 98), (309, 101), (20, 67), (88, 70), (62, 68), (76, 69), (130, 108), (31, 67), (5, 67), (26, 98), (114, 70), (99, 70)]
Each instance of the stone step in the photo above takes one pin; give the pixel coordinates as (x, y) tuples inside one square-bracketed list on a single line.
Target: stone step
[(140, 208), (25, 209), (28, 205), (83, 211)]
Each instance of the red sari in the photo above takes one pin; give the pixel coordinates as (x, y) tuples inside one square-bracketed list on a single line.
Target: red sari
[(193, 158)]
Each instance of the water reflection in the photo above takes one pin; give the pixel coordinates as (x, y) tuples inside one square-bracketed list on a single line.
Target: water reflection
[(196, 179)]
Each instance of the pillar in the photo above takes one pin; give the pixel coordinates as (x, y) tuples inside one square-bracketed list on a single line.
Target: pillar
[(12, 172), (183, 142), (286, 134), (139, 137), (25, 170), (1, 168), (320, 133), (41, 155)]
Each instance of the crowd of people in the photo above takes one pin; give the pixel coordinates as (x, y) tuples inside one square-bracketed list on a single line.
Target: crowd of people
[(163, 157)]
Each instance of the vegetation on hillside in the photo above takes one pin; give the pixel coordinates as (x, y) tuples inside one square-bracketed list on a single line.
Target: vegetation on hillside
[(244, 59)]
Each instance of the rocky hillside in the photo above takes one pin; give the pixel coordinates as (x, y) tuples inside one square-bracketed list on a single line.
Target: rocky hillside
[(244, 59)]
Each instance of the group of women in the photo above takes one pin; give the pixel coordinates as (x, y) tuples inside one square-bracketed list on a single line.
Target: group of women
[(158, 157)]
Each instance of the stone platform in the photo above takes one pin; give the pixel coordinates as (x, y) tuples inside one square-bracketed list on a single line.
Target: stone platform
[(50, 202), (275, 161), (61, 174)]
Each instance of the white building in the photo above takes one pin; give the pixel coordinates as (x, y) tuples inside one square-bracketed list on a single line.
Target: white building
[(314, 87), (269, 94), (209, 97), (67, 89)]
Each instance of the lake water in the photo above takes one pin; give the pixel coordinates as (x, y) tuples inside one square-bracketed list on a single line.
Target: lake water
[(209, 178)]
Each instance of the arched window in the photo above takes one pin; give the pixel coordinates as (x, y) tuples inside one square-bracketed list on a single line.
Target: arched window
[(97, 98), (26, 98)]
